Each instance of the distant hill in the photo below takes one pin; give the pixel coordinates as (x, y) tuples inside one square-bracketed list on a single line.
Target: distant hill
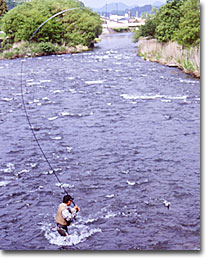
[(135, 11), (121, 8), (157, 4), (113, 7)]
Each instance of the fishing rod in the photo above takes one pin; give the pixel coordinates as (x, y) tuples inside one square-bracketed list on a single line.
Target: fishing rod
[(24, 104), (56, 14)]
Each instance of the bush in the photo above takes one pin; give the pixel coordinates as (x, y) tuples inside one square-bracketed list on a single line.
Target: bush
[(188, 33), (146, 30), (177, 20), (80, 26), (9, 55), (47, 48), (169, 19), (121, 29)]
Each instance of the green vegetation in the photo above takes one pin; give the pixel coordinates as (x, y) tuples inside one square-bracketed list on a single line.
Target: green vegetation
[(168, 19), (121, 29), (171, 54), (3, 10), (23, 49), (188, 33), (73, 28), (177, 20), (173, 35)]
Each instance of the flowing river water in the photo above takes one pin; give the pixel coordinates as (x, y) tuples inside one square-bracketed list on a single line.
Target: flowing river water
[(123, 135)]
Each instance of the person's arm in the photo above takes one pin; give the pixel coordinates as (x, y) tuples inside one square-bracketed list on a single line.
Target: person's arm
[(69, 216)]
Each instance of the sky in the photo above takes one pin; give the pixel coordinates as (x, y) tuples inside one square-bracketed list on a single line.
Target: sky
[(101, 3)]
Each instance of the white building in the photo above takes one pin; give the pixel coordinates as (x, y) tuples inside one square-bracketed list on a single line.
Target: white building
[(115, 17)]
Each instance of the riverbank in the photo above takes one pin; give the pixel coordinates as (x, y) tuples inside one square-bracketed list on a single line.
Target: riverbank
[(171, 54), (23, 49), (107, 31)]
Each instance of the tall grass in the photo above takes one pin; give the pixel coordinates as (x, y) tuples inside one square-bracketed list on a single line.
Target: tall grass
[(171, 54)]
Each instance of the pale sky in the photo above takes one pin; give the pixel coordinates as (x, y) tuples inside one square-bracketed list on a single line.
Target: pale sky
[(101, 3)]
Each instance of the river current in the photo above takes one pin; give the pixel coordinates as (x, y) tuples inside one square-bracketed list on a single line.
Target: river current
[(122, 134)]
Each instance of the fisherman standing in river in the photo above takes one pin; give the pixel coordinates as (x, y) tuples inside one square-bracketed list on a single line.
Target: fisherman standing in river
[(65, 215)]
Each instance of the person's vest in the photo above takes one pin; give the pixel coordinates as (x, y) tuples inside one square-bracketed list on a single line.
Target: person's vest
[(59, 217)]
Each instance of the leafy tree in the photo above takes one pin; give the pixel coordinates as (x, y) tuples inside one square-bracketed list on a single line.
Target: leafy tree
[(169, 19), (80, 26), (148, 29), (177, 20), (3, 7), (189, 27)]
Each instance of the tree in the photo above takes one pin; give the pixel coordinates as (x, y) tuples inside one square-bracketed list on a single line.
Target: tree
[(162, 23), (177, 20), (3, 7), (169, 19), (188, 33), (80, 26), (148, 29)]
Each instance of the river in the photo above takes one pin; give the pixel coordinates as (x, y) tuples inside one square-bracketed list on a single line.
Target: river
[(122, 134)]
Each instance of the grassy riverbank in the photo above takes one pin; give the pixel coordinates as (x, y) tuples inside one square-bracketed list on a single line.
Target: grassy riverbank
[(174, 30), (23, 49), (74, 28), (171, 54)]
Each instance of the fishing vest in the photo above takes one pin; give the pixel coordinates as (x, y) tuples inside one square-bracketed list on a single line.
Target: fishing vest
[(59, 217)]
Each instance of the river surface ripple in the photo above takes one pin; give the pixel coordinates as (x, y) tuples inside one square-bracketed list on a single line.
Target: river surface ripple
[(123, 135)]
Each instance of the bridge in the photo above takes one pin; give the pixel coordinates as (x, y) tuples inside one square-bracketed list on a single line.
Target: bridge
[(122, 23)]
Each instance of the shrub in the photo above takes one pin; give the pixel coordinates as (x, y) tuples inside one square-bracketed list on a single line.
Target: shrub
[(188, 33), (169, 18), (148, 29), (171, 53), (9, 54), (47, 48), (78, 26), (177, 20)]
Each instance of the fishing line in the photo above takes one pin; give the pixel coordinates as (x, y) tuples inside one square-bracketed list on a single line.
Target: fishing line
[(24, 104), (33, 132)]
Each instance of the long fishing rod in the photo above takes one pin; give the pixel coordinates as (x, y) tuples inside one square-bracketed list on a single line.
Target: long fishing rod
[(24, 105), (33, 132), (56, 14)]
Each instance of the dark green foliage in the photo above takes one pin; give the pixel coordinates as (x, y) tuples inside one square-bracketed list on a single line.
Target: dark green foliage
[(121, 29), (169, 19), (189, 27), (177, 20), (146, 30), (47, 48), (75, 27), (3, 7)]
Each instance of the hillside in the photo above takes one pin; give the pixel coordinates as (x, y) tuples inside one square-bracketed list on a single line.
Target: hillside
[(112, 7), (121, 8), (135, 11)]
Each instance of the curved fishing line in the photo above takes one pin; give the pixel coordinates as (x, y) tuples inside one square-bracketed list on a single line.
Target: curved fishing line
[(33, 132), (24, 104)]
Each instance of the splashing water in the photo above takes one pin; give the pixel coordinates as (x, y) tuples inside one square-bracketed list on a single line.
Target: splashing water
[(79, 231), (78, 234)]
